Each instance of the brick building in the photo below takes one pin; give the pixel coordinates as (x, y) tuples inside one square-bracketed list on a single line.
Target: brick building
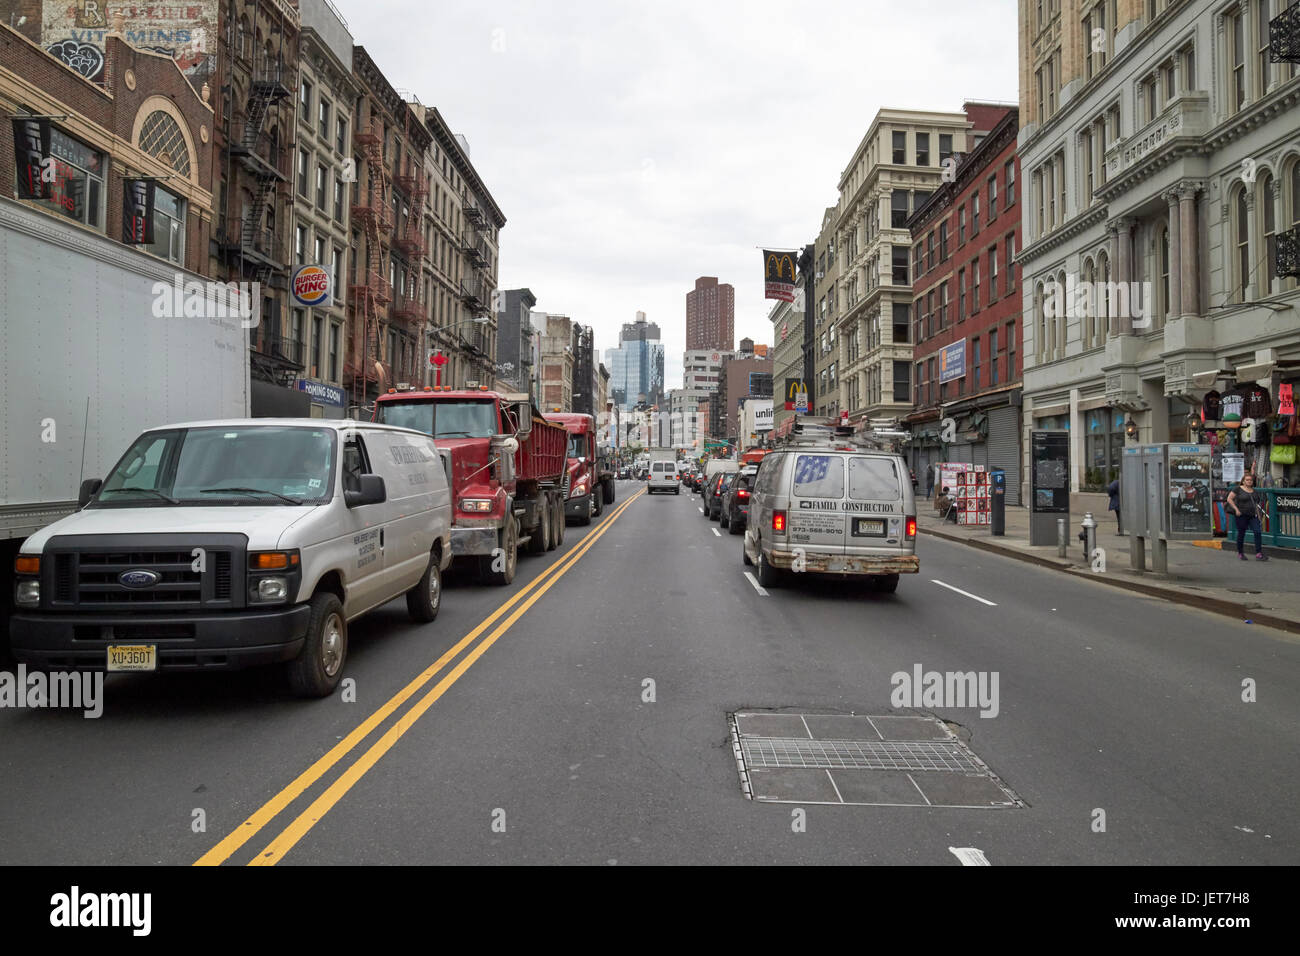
[(711, 315)]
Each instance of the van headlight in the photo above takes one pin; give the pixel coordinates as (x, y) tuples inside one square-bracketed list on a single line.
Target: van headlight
[(28, 593), (272, 589)]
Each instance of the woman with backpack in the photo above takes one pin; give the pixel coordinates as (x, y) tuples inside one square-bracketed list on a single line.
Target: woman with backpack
[(1247, 504)]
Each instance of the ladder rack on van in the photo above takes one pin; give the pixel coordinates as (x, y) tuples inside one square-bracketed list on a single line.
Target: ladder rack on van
[(818, 434)]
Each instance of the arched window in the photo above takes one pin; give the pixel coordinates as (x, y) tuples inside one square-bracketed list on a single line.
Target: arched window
[(1040, 323), (161, 137), (1294, 216), (1242, 233), (1088, 331), (1103, 297), (1268, 219), (1163, 310), (1060, 323), (241, 38)]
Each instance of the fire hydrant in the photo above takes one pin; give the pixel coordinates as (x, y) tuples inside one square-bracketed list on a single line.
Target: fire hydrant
[(1088, 535)]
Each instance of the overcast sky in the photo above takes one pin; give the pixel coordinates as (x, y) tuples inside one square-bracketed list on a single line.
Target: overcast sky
[(635, 146)]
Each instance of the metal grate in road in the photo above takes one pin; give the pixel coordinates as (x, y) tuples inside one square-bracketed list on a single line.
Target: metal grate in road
[(772, 753)]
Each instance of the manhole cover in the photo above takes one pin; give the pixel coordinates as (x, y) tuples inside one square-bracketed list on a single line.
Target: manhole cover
[(882, 760)]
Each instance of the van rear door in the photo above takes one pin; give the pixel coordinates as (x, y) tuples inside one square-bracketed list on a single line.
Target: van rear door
[(875, 509), (816, 514)]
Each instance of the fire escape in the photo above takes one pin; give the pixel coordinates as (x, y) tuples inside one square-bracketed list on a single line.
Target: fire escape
[(475, 291), (253, 251), (371, 292), (408, 309)]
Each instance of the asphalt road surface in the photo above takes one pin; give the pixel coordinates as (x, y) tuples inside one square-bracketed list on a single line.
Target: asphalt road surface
[(582, 716)]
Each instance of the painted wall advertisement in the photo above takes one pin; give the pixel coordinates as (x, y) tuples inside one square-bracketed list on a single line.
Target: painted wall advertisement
[(76, 32)]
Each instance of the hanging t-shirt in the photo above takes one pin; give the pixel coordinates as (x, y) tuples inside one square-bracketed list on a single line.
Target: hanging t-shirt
[(1211, 406), (1258, 402), (1230, 406)]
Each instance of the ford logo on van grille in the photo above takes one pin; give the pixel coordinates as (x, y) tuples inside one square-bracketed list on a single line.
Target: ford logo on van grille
[(139, 578)]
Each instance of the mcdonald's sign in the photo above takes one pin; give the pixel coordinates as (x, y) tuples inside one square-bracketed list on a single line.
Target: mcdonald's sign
[(778, 273), (796, 395)]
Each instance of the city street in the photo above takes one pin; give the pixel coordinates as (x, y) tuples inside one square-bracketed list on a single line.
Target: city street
[(521, 726)]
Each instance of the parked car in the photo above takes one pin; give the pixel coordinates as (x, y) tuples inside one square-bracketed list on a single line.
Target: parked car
[(834, 508), (715, 501), (735, 501), (225, 544)]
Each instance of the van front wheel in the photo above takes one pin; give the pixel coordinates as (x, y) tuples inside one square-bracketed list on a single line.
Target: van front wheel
[(315, 672), (423, 600)]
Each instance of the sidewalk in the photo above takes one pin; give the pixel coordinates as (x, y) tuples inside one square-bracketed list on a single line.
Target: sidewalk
[(1200, 573)]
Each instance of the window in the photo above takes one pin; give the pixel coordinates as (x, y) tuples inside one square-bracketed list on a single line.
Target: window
[(929, 251), (975, 285), (1243, 247), (1189, 67), (923, 149), (961, 295), (313, 360), (898, 208), (300, 245), (993, 196), (1164, 274), (900, 148), (168, 227), (899, 263), (943, 242), (306, 99), (338, 198), (929, 314), (304, 166), (902, 381), (945, 147), (341, 136), (322, 196), (1085, 149), (78, 188), (901, 321), (1237, 57), (1011, 351), (1265, 66), (993, 274), (1010, 177), (323, 120), (975, 214), (961, 226), (1103, 301), (320, 252), (993, 357), (1269, 220), (1011, 259), (916, 387), (1060, 186), (976, 368)]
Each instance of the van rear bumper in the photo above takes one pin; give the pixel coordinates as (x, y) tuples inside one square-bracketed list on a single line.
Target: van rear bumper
[(184, 641), (822, 563)]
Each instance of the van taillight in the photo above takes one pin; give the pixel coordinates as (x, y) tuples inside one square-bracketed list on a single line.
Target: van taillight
[(778, 521), (742, 494), (911, 527)]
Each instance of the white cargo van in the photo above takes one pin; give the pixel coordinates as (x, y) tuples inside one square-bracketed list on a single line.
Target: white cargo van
[(663, 471), (825, 503), (231, 543)]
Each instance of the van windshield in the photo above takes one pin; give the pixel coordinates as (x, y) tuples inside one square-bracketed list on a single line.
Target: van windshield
[(873, 478), (233, 465)]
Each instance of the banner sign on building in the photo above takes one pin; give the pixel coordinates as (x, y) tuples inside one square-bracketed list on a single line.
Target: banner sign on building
[(952, 361), (31, 154), (137, 211), (778, 274), (796, 395), (310, 285), (322, 393)]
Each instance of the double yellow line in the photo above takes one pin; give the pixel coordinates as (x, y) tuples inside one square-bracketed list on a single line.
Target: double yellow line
[(295, 831)]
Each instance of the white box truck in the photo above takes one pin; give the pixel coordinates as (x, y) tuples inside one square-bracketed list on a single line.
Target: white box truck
[(87, 364)]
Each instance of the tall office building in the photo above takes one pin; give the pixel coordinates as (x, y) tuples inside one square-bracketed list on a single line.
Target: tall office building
[(711, 315), (636, 367)]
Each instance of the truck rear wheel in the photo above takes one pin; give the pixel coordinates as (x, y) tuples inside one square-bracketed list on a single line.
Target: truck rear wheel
[(539, 541), (315, 672)]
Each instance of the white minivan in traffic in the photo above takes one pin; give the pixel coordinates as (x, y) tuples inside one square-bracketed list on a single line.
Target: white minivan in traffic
[(226, 544)]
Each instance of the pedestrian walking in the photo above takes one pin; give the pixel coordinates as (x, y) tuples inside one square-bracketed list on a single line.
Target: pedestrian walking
[(1246, 503), (1113, 491), (929, 481)]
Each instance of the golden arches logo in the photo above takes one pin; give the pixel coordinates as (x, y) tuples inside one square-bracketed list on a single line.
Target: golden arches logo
[(778, 264)]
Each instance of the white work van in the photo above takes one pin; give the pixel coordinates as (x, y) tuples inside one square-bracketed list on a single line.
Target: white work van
[(226, 544)]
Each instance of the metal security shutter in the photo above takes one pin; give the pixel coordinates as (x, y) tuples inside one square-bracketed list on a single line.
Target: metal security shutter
[(1004, 447), (980, 454), (960, 452)]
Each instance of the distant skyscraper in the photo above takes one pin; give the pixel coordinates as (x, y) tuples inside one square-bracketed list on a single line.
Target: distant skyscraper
[(711, 315), (636, 367)]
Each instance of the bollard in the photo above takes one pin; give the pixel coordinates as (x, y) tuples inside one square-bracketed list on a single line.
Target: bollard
[(1060, 538), (1089, 535)]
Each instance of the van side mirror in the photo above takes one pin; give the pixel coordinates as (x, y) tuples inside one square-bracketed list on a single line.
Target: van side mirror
[(89, 488), (371, 491)]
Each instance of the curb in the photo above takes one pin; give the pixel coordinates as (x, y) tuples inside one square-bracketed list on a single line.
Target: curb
[(1214, 605)]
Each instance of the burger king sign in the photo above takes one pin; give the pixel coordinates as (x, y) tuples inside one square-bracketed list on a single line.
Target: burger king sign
[(311, 285)]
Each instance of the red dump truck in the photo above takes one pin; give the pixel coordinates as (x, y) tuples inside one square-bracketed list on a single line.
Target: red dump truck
[(507, 471), (589, 476)]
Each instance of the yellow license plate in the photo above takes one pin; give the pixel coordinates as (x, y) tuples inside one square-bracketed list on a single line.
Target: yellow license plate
[(132, 657)]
